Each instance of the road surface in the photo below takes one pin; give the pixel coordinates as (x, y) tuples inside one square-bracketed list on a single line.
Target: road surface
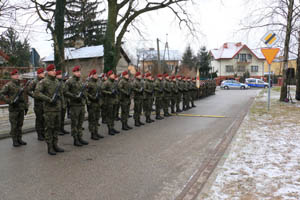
[(155, 161)]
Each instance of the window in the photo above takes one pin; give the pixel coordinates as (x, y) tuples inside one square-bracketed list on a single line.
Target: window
[(243, 57), (237, 56), (241, 69), (229, 68), (249, 56), (259, 81), (254, 68)]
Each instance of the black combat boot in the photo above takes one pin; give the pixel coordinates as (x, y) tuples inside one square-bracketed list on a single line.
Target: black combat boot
[(51, 149), (57, 148), (141, 122), (99, 135), (115, 131), (136, 123), (110, 131), (124, 127), (76, 142), (178, 110), (127, 126), (158, 117), (64, 131), (148, 120), (94, 136), (40, 137), (82, 141), (15, 142), (151, 120), (193, 105), (21, 141)]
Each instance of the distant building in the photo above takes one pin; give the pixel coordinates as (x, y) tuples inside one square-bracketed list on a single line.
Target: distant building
[(234, 59), (277, 65), (89, 58), (148, 60)]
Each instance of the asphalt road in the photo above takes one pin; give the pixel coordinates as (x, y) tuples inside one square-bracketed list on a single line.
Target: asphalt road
[(155, 161)]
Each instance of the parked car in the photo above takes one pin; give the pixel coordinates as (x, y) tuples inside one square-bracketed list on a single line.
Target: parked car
[(232, 84), (254, 82)]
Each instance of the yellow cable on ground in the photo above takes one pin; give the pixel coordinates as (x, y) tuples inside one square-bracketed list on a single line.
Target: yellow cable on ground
[(193, 115)]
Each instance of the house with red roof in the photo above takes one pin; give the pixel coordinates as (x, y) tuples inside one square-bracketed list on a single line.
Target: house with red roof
[(234, 59)]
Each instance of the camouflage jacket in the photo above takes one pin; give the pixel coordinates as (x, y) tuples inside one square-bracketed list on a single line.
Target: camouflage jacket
[(93, 92), (124, 88), (8, 94), (180, 84), (167, 88), (109, 91), (174, 88), (148, 89), (73, 87), (138, 88), (31, 89), (45, 90), (158, 88)]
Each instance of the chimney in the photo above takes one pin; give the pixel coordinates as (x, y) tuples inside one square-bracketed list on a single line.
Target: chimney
[(225, 45), (238, 44)]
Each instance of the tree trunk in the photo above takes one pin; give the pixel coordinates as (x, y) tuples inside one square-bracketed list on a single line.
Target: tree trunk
[(58, 35), (109, 39), (283, 92), (298, 70)]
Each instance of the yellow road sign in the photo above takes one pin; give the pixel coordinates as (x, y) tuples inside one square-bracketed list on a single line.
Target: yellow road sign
[(270, 54), (270, 38)]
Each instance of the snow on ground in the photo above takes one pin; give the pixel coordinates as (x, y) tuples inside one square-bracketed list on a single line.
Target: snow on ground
[(264, 158)]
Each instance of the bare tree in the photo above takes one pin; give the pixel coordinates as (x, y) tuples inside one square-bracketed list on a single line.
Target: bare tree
[(8, 12), (281, 16), (122, 13), (53, 13)]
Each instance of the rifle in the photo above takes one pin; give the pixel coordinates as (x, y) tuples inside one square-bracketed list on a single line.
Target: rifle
[(83, 88), (17, 97), (57, 89)]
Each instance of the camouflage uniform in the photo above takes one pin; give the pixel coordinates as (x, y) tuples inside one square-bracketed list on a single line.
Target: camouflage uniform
[(16, 110), (38, 110), (64, 104), (174, 94), (44, 91), (180, 86), (138, 101), (110, 91), (77, 108), (93, 107), (117, 103), (148, 99), (167, 97), (159, 94), (125, 92)]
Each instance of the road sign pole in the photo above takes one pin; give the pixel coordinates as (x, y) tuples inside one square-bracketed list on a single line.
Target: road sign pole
[(269, 88)]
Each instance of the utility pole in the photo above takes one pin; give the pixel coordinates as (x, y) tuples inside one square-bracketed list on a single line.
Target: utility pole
[(158, 57)]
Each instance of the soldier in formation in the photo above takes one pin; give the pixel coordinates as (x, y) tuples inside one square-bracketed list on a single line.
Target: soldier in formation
[(100, 96)]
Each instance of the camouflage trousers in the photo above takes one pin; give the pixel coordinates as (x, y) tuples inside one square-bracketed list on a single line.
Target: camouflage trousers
[(52, 121), (93, 117), (110, 114), (158, 105), (39, 119), (125, 108), (178, 100), (117, 109), (63, 116), (173, 103), (137, 109), (147, 106), (77, 114), (16, 119), (166, 104), (186, 99)]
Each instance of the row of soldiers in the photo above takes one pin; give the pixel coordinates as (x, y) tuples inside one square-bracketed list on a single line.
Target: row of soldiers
[(102, 96)]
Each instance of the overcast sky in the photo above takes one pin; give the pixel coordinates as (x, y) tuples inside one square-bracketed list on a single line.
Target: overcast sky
[(217, 22)]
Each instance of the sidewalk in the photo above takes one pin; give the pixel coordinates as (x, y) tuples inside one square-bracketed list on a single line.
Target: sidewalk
[(263, 160)]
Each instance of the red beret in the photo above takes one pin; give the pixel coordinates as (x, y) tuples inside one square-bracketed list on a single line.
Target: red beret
[(50, 67), (166, 75), (40, 70), (138, 73), (143, 76), (110, 72), (159, 75), (193, 79), (148, 74), (125, 73), (172, 77), (58, 72), (93, 72), (178, 76), (14, 72), (76, 69), (183, 77)]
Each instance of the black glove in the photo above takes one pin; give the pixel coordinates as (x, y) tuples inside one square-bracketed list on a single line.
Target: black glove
[(114, 91), (142, 89), (25, 112)]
